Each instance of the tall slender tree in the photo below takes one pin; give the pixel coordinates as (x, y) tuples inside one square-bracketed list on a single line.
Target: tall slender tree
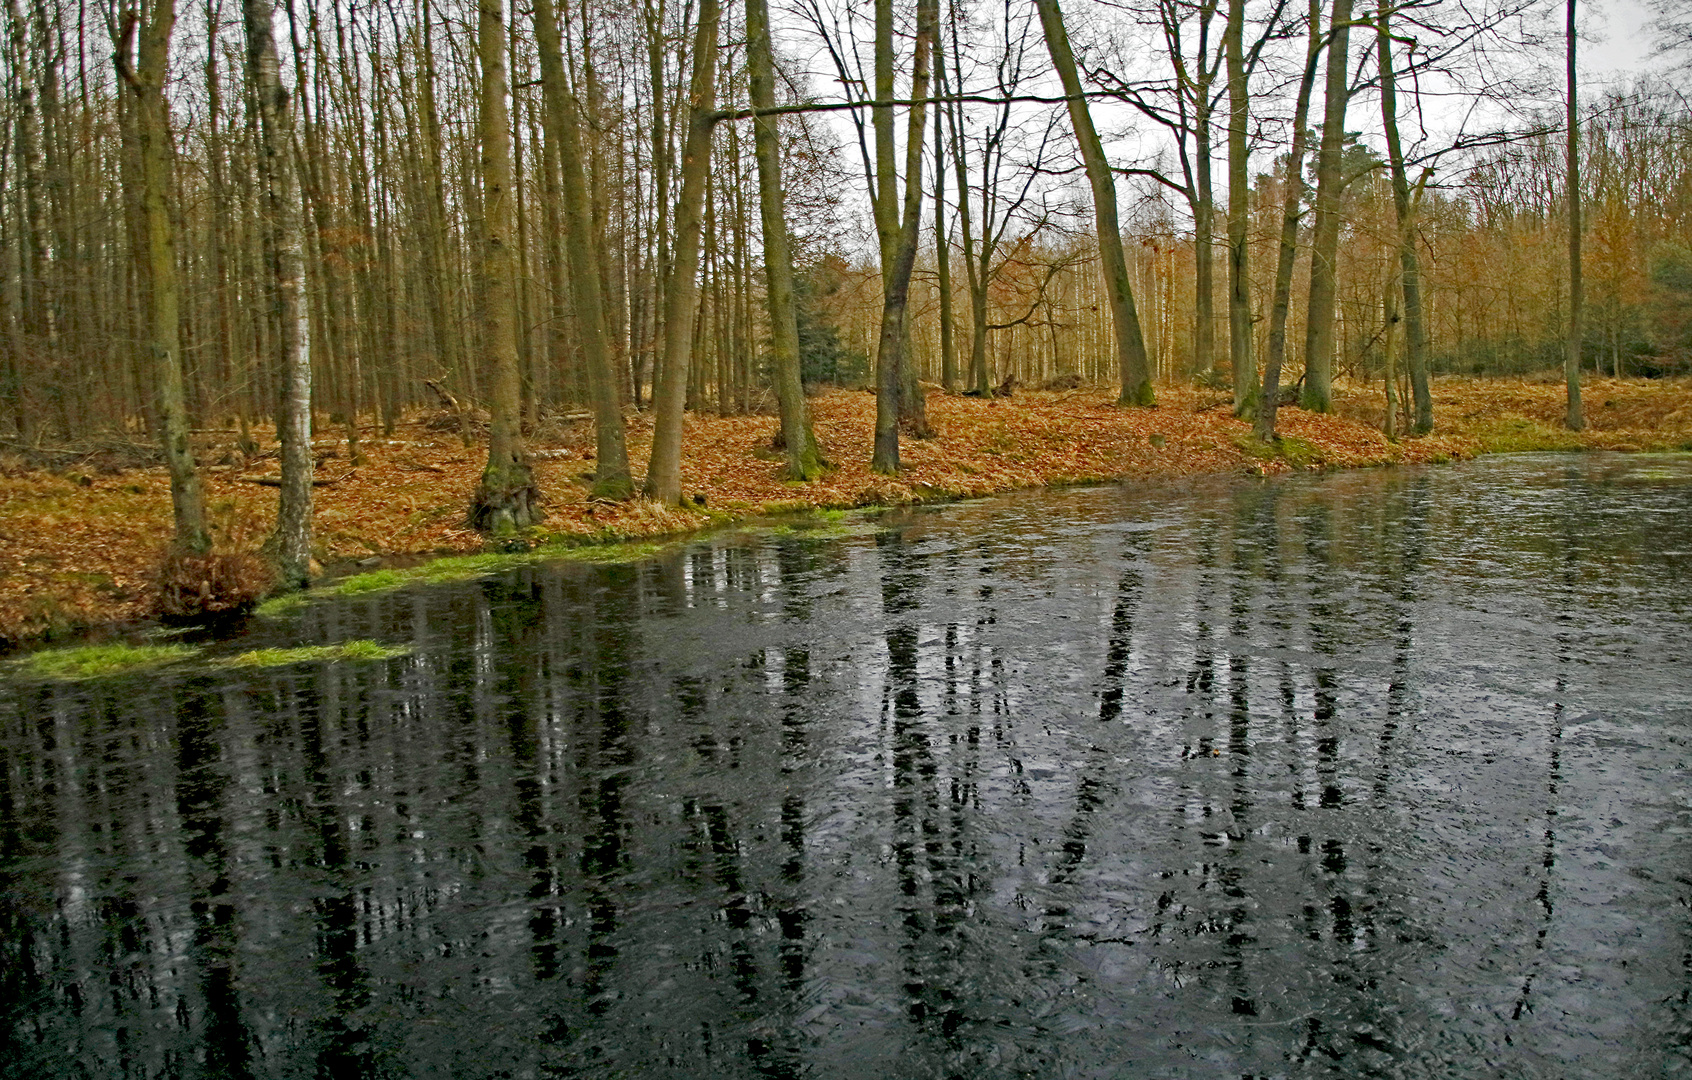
[(1293, 199), (1574, 418), (583, 253), (681, 296), (289, 546), (1404, 210), (1318, 393), (1134, 370), (1239, 217), (506, 499), (145, 67), (897, 224), (804, 462)]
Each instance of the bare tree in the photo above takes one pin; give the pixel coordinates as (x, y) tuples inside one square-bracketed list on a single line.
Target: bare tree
[(612, 479), (1125, 319), (144, 67), (804, 462), (898, 228), (290, 544), (506, 500), (1410, 265), (1239, 216), (1324, 246), (1574, 419), (681, 295)]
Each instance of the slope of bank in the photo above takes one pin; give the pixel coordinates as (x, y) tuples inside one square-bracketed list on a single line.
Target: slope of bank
[(81, 538)]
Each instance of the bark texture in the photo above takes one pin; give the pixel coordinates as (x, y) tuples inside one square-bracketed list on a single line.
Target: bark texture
[(1264, 426), (157, 259), (1318, 393), (562, 125), (681, 296), (804, 461), (506, 501), (1125, 320), (289, 546), (1239, 219)]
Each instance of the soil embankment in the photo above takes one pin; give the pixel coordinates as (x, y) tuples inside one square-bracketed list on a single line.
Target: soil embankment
[(81, 537)]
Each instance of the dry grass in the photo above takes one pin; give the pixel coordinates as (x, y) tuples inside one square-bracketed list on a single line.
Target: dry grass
[(79, 548)]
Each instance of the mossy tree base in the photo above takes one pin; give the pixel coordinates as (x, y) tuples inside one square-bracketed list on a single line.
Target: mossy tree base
[(1246, 409), (506, 501), (614, 488), (1141, 396)]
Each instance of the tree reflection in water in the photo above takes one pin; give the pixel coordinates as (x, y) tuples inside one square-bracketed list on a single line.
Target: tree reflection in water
[(1372, 774)]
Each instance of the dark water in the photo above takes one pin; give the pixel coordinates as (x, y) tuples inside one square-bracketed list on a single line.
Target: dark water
[(1379, 774)]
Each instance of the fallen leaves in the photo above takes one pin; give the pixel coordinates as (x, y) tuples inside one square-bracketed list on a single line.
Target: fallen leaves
[(79, 553)]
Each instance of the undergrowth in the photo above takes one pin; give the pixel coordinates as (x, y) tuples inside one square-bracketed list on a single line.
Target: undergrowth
[(100, 661), (356, 649), (1295, 452)]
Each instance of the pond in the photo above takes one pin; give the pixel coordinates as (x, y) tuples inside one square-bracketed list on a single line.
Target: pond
[(1373, 774)]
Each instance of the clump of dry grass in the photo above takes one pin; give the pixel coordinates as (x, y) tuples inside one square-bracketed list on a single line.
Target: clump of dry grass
[(187, 586)]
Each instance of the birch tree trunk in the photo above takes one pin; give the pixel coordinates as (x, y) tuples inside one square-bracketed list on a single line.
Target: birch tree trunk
[(1130, 343), (506, 500), (803, 460), (681, 297), (289, 546)]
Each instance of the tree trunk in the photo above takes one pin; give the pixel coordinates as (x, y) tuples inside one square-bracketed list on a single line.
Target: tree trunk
[(1264, 428), (1324, 248), (443, 297), (899, 244), (563, 131), (1389, 346), (1204, 239), (157, 262), (289, 547), (34, 254), (506, 500), (1415, 333), (1130, 344), (803, 460), (942, 245), (681, 296), (1239, 219), (1574, 419)]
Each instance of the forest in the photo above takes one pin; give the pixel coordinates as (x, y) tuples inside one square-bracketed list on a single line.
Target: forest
[(320, 219)]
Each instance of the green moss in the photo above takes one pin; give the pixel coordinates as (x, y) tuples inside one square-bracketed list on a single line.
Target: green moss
[(606, 547), (1142, 396), (356, 649), (280, 606), (101, 661), (628, 551), (375, 581), (1297, 453), (1511, 433)]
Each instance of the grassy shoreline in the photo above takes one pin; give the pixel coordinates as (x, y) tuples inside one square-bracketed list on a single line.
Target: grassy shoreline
[(81, 543)]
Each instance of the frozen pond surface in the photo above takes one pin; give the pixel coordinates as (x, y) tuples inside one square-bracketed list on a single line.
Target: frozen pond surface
[(1375, 774)]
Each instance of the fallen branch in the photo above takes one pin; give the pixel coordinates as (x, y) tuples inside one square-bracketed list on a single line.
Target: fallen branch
[(316, 482)]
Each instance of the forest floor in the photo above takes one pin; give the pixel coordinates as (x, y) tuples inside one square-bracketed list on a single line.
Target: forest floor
[(82, 528)]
